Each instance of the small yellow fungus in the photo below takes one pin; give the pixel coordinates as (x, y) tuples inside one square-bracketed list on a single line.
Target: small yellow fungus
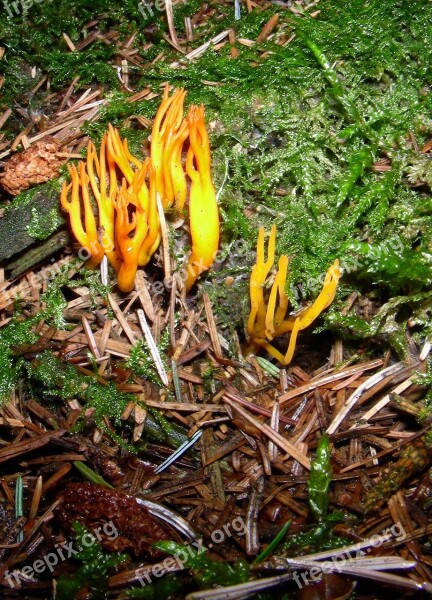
[(267, 322)]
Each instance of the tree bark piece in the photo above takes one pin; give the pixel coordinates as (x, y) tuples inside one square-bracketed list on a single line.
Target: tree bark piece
[(24, 226)]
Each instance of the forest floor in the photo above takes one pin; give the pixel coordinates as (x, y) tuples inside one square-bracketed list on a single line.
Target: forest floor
[(150, 446)]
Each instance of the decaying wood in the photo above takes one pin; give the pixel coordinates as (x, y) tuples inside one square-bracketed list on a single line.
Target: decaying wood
[(38, 254), (15, 236)]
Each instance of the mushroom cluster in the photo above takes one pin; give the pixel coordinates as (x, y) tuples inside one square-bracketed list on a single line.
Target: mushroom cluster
[(267, 322), (125, 190)]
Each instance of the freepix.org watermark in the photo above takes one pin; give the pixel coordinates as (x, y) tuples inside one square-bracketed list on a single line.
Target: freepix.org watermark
[(338, 561), (34, 280), (19, 6), (147, 8), (237, 249), (178, 561), (61, 553)]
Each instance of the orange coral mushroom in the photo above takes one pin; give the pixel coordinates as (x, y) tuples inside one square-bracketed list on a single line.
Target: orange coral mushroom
[(174, 175), (88, 237), (98, 167), (129, 224), (118, 152), (153, 237)]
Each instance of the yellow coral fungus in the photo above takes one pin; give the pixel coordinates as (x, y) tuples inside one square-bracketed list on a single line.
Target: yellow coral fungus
[(157, 139), (168, 136), (79, 202), (174, 175), (153, 237), (203, 210), (267, 322), (97, 173), (129, 224), (118, 151)]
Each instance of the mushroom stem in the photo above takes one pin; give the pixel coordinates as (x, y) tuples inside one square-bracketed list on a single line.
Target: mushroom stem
[(260, 271), (152, 239), (104, 200), (174, 168)]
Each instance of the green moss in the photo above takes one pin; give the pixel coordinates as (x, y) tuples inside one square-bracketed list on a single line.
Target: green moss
[(304, 134), (27, 197), (35, 39), (20, 330), (71, 275), (65, 381), (43, 225), (141, 362), (425, 379), (206, 571), (16, 333), (92, 574), (52, 377), (390, 322)]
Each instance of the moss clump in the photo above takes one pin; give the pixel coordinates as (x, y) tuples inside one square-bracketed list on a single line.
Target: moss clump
[(141, 362), (43, 225), (92, 574), (65, 381), (34, 38), (18, 332)]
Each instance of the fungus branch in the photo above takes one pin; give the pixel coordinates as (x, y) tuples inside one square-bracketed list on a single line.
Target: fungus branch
[(203, 210), (80, 210), (97, 167)]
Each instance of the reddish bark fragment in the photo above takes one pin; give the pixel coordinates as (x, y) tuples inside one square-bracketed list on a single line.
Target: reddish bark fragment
[(95, 506), (37, 164)]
